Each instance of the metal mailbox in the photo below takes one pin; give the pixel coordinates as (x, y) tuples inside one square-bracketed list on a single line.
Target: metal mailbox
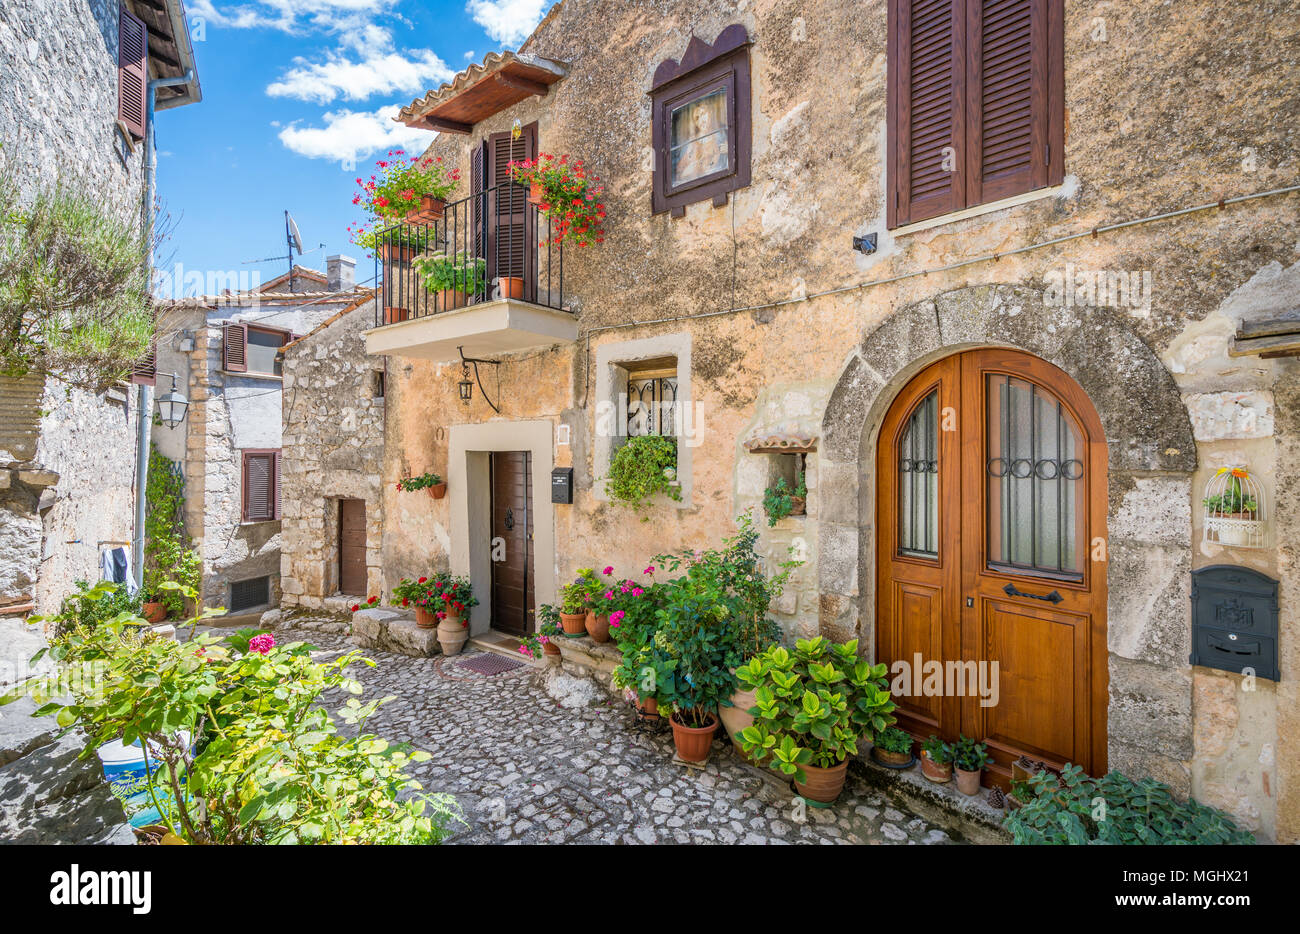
[(1234, 621)]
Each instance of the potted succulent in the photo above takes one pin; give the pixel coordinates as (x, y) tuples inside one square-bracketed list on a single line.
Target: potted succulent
[(564, 191), (811, 707), (893, 748), (573, 608), (779, 500), (455, 280), (432, 482), (969, 759), (936, 760)]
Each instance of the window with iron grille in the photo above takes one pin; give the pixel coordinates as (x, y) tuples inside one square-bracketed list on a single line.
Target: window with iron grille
[(652, 398), (245, 594)]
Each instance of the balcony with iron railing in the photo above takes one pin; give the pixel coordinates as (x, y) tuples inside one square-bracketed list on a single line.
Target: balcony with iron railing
[(477, 276)]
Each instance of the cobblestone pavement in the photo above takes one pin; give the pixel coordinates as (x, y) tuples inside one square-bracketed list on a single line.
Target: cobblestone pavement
[(527, 770)]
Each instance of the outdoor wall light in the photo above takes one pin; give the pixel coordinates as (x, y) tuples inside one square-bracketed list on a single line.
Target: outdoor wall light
[(466, 385), (172, 405), (865, 244)]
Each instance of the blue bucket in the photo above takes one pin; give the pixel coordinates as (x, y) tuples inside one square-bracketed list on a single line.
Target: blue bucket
[(128, 779)]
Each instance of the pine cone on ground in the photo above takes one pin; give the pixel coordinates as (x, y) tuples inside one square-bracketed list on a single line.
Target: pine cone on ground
[(996, 798)]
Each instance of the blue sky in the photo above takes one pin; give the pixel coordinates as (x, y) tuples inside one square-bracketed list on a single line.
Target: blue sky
[(297, 96)]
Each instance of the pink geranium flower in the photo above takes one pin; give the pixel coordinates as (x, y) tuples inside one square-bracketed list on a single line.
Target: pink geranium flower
[(261, 644), (615, 618), (609, 570), (637, 591)]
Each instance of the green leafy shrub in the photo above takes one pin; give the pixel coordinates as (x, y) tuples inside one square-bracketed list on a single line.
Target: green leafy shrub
[(247, 754), (812, 705), (92, 606), (641, 469), (1114, 809), (970, 756), (692, 649), (778, 499), (74, 291), (459, 273), (168, 553), (421, 482)]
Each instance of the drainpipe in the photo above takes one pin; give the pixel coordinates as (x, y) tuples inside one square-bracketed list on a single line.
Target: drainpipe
[(144, 394)]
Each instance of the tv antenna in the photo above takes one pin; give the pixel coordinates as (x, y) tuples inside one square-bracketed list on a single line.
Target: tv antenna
[(292, 241)]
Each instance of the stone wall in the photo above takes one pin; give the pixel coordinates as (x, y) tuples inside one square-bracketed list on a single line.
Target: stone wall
[(1172, 109), (58, 114), (333, 449)]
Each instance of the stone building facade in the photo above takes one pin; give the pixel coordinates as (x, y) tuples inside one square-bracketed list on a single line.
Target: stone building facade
[(236, 411), (780, 321)]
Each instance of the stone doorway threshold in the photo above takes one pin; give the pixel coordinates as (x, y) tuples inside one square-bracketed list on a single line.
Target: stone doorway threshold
[(499, 643), (972, 816)]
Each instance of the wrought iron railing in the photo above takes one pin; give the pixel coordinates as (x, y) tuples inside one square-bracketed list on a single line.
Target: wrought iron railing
[(493, 244)]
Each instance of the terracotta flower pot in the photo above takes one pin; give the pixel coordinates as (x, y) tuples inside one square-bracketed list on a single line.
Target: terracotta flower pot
[(934, 771), (392, 314), (798, 505), (574, 624), (153, 611), (452, 635), (438, 490), (968, 783), (823, 785), (693, 742), (649, 708), (892, 759), (510, 287), (597, 626), (430, 209), (550, 647), (737, 717), (536, 193), (396, 252), (450, 299), (424, 619)]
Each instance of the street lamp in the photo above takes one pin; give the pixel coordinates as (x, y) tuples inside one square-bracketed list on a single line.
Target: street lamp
[(172, 405)]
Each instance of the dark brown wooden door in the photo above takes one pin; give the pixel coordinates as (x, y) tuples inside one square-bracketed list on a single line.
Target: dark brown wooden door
[(352, 547), (512, 542), (991, 471)]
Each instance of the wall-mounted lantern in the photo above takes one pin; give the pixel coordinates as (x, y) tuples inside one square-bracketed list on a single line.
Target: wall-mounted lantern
[(172, 405), (466, 385)]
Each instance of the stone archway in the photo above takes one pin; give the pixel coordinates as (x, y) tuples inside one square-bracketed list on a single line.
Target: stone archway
[(1151, 458)]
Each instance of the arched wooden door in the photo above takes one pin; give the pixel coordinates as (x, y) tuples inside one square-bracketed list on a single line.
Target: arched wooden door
[(991, 526)]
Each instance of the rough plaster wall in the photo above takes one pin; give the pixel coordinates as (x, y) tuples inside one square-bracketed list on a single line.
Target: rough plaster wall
[(58, 109), (1160, 115), (333, 448)]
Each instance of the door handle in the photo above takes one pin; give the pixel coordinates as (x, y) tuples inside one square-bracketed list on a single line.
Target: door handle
[(1011, 591)]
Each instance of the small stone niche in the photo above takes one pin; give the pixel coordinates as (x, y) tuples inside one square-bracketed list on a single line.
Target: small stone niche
[(787, 459)]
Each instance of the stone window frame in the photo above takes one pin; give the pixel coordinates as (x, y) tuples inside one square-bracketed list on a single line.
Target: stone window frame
[(702, 69), (611, 390)]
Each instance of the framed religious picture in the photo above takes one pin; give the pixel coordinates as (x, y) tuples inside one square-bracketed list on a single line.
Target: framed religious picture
[(701, 113)]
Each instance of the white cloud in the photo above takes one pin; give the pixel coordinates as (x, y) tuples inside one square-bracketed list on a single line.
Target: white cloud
[(287, 15), (508, 21), (350, 136), (378, 73)]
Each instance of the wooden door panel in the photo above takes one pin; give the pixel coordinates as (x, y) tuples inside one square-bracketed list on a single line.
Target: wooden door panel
[(1042, 664), (352, 547), (916, 630), (511, 511)]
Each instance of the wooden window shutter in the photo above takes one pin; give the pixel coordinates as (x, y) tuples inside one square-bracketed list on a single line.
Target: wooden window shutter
[(509, 214), (261, 486), (478, 162), (234, 348), (1010, 98), (145, 372), (132, 72), (926, 105)]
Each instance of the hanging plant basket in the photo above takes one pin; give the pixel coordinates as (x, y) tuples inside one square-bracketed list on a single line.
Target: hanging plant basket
[(1234, 509), (430, 210)]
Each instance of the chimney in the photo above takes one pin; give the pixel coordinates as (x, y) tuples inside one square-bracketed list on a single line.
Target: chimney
[(342, 272)]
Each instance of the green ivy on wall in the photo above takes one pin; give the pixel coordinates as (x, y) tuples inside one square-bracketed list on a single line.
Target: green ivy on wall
[(168, 555), (643, 467)]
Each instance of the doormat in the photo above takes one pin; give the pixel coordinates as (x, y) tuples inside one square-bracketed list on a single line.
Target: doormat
[(489, 663)]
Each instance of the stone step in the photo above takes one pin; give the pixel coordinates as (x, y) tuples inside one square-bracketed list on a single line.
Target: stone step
[(393, 631)]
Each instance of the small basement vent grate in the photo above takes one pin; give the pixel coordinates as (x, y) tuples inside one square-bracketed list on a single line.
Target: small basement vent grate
[(255, 591), (490, 663)]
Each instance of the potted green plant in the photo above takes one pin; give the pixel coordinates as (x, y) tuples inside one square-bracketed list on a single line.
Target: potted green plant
[(779, 500), (419, 596), (455, 280), (893, 748), (1232, 514), (969, 759), (936, 760), (411, 189), (811, 707), (565, 192), (637, 471), (456, 596), (573, 607), (600, 596), (549, 628), (432, 482)]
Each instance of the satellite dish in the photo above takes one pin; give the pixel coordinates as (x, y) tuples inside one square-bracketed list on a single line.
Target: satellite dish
[(295, 238)]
